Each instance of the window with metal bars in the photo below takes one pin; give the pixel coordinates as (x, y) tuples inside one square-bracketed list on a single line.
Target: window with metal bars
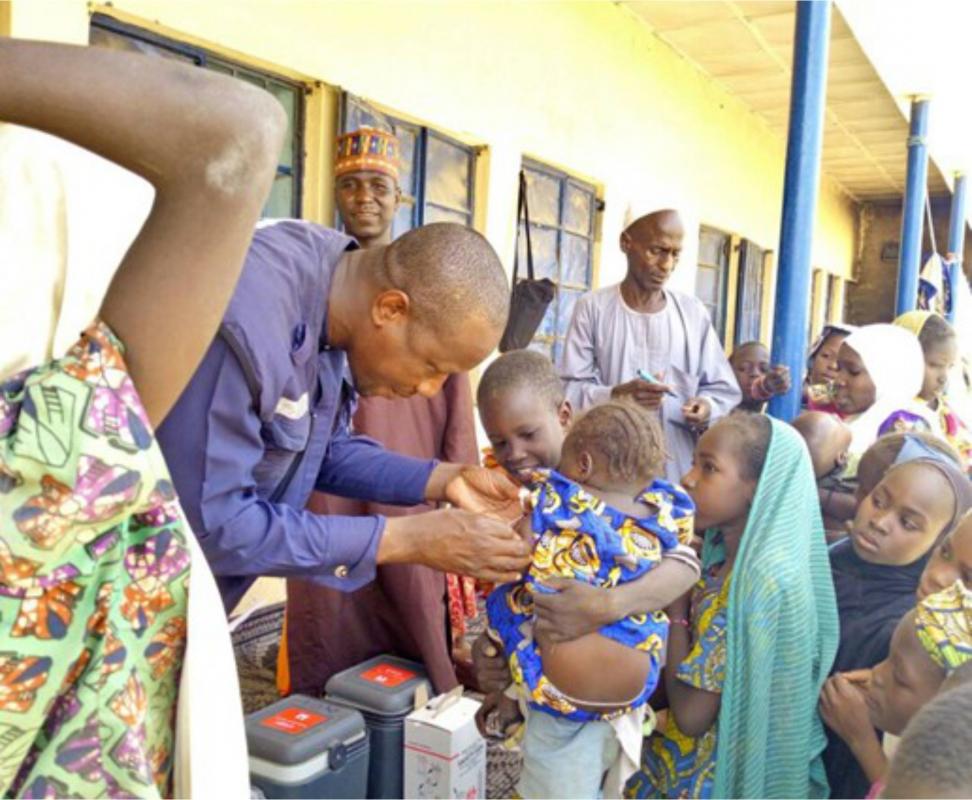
[(284, 199), (833, 314), (712, 275), (562, 210), (749, 298), (437, 173)]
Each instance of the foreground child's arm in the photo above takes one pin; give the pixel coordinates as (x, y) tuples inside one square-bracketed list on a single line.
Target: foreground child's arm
[(844, 710), (578, 609), (695, 710), (208, 144)]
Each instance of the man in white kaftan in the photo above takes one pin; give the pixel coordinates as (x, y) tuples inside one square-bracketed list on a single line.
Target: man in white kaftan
[(640, 325)]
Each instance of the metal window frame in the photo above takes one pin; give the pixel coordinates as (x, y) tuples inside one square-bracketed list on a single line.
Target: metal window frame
[(564, 179), (203, 58), (833, 287), (722, 310), (748, 272), (470, 151)]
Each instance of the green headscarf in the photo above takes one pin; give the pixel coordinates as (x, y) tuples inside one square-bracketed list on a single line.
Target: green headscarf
[(781, 637)]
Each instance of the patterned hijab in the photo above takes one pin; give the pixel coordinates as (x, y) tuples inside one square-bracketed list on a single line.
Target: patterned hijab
[(943, 623)]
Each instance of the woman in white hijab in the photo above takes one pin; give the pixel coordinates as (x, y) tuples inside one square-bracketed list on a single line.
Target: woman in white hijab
[(881, 370), (118, 675)]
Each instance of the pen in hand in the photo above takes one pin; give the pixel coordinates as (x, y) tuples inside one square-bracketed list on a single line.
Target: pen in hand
[(649, 378)]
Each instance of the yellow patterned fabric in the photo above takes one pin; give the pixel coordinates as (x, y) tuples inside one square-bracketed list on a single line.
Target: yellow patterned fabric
[(581, 538), (943, 623), (675, 764)]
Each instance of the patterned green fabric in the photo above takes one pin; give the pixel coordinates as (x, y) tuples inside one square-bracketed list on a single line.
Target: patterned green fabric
[(782, 636), (93, 576)]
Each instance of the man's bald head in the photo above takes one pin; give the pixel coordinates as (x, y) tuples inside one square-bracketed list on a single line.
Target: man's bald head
[(450, 274), (411, 313), (652, 245)]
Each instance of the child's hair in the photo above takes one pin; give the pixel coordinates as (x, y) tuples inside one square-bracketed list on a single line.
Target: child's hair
[(881, 455), (627, 436), (933, 755), (744, 345), (521, 368), (934, 332), (754, 431), (811, 426)]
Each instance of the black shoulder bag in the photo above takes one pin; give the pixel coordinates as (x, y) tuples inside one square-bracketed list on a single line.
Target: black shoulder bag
[(530, 297)]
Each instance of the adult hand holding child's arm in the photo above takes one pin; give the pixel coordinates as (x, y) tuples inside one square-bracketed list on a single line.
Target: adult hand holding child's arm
[(475, 539), (453, 540), (475, 489)]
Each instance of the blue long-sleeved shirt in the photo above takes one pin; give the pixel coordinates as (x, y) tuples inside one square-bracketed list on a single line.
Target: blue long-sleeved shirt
[(264, 421)]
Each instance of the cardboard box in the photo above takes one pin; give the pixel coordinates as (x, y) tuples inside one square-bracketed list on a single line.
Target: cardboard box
[(445, 757)]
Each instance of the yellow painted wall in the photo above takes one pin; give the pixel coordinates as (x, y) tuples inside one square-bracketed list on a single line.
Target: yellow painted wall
[(833, 246), (583, 85), (580, 85)]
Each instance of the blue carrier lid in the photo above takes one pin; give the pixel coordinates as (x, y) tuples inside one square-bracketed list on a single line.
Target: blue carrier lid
[(384, 685)]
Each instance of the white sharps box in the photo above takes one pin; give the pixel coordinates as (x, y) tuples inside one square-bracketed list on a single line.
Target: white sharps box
[(445, 757)]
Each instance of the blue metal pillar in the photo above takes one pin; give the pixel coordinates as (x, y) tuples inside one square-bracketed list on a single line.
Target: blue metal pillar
[(956, 239), (808, 90), (913, 210)]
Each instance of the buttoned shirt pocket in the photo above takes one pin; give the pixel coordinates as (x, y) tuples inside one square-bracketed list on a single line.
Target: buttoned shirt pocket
[(286, 436)]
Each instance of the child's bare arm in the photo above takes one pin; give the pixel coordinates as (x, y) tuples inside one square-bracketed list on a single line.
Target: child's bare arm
[(577, 609), (654, 590), (695, 710), (207, 143)]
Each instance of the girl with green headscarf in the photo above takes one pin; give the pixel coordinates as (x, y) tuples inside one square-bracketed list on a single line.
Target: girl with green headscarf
[(749, 651)]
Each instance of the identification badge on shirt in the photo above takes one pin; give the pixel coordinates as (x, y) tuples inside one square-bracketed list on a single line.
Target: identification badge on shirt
[(292, 409)]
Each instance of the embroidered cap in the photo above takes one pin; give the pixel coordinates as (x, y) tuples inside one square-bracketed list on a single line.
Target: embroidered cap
[(367, 150)]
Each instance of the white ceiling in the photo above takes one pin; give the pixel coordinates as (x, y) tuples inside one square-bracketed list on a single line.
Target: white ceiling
[(746, 47)]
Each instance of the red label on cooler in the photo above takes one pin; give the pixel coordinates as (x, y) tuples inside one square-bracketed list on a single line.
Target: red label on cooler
[(387, 675), (293, 720)]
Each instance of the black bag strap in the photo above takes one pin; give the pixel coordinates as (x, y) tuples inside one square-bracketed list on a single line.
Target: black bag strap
[(522, 213)]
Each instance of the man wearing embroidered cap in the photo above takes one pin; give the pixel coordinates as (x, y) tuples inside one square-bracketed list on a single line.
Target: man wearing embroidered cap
[(403, 611), (366, 184)]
